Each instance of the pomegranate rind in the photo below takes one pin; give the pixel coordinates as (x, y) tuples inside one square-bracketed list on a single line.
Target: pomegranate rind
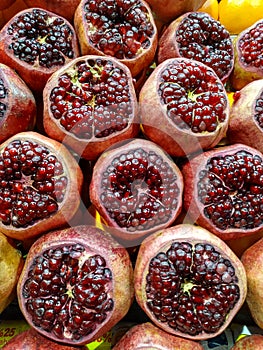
[(148, 336), (6, 3), (160, 129), (35, 76), (249, 342), (72, 199), (89, 149), (95, 189), (161, 241), (243, 127), (252, 260), (95, 241)]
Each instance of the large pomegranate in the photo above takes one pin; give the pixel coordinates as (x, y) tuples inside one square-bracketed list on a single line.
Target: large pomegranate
[(189, 282), (250, 342), (124, 29), (91, 103), (40, 184), (136, 188), (224, 190), (76, 284), (184, 106), (35, 43), (197, 35)]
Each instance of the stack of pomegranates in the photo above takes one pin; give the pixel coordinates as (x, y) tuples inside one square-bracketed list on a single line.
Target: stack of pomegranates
[(128, 179)]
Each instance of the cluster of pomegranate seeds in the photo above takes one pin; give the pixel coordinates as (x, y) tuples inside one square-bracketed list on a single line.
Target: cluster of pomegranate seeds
[(250, 46), (32, 183), (193, 96), (139, 190), (259, 110), (200, 37), (67, 291), (231, 190), (3, 95), (118, 28), (38, 37), (92, 99), (191, 288)]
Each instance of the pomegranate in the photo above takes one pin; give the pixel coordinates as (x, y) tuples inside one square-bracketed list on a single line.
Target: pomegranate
[(246, 117), (35, 43), (184, 107), (17, 104), (252, 260), (224, 191), (197, 35), (11, 264), (148, 336), (124, 29), (40, 185), (189, 282), (250, 342), (91, 103), (248, 64), (76, 284), (137, 189)]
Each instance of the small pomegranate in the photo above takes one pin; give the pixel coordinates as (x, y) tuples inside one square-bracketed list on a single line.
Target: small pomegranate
[(197, 35), (184, 107), (148, 336), (91, 103), (76, 284), (124, 29), (40, 185), (224, 191), (248, 64), (252, 260), (17, 104), (189, 282), (246, 117), (35, 43), (136, 188), (250, 342)]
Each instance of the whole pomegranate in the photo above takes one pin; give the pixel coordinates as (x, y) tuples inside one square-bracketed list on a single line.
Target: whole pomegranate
[(148, 336), (124, 29), (76, 284), (136, 188), (35, 43), (189, 282), (197, 35), (224, 190), (89, 104), (250, 342), (40, 185), (184, 107)]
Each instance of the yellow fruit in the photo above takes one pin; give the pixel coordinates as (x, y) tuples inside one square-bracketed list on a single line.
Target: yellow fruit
[(210, 7)]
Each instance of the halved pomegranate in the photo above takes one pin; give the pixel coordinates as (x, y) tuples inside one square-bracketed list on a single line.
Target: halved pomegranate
[(35, 43), (124, 29), (136, 188), (189, 282), (184, 107), (40, 185), (76, 284), (197, 35), (91, 103), (224, 190)]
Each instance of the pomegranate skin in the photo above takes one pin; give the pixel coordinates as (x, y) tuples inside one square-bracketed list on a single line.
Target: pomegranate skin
[(148, 336), (252, 260), (96, 243), (160, 242), (196, 207), (250, 342), (6, 3)]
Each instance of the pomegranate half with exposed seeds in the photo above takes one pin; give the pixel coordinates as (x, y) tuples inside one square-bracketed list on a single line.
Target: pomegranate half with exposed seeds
[(91, 103), (184, 107), (40, 184), (197, 35), (124, 29), (224, 190), (35, 43), (248, 64), (76, 284), (136, 188), (189, 282)]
